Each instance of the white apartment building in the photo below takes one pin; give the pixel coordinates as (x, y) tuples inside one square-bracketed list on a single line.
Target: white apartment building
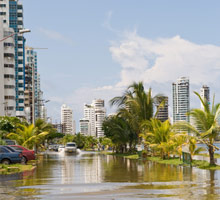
[(7, 72), (84, 126), (67, 119), (95, 114), (181, 101), (205, 94), (100, 114), (89, 114), (11, 12)]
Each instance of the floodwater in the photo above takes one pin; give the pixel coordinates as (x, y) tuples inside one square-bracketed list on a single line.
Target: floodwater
[(91, 176)]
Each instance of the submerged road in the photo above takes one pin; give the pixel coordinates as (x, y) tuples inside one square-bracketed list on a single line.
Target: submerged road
[(103, 177)]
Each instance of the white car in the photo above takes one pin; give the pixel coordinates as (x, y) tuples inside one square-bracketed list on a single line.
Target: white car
[(61, 148), (70, 147)]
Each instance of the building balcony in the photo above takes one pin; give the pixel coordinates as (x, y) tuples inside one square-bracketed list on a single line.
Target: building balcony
[(20, 96), (21, 89), (20, 49), (20, 26), (21, 81), (20, 114), (20, 42)]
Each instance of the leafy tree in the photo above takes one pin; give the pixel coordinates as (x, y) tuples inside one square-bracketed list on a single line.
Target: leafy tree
[(120, 132), (67, 138), (80, 140), (8, 124), (107, 142), (90, 142)]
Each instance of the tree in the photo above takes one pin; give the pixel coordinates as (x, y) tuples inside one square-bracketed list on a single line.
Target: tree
[(205, 127), (8, 124), (158, 136), (106, 142), (90, 142), (80, 139), (120, 132), (193, 148), (26, 136), (67, 138)]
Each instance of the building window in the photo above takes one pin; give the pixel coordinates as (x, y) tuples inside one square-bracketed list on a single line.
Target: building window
[(8, 65), (2, 5), (9, 86), (6, 44), (9, 108), (9, 76), (10, 97), (9, 55)]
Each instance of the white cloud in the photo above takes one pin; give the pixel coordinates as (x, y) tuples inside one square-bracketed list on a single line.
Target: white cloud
[(165, 59), (157, 63), (54, 35)]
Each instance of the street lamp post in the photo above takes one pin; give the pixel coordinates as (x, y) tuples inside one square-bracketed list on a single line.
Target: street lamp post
[(22, 31)]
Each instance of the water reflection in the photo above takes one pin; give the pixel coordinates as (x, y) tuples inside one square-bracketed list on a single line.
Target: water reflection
[(94, 176)]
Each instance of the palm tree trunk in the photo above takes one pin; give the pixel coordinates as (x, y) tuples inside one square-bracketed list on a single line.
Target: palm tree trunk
[(211, 155)]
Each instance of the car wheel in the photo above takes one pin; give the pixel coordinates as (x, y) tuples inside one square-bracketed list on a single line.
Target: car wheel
[(23, 160), (6, 162)]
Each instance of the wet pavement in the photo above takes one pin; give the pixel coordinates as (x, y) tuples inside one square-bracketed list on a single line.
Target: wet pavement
[(95, 176)]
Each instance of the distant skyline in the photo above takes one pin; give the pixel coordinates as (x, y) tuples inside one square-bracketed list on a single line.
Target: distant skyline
[(97, 48)]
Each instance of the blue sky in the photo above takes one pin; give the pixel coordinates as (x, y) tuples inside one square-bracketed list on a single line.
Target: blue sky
[(98, 47)]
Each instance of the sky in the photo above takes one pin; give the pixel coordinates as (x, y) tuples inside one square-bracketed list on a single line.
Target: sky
[(96, 48)]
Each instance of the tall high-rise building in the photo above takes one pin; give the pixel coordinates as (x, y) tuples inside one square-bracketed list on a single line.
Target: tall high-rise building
[(95, 114), (12, 13), (181, 100), (162, 111), (32, 91), (100, 114), (7, 72), (67, 119), (89, 114), (205, 94)]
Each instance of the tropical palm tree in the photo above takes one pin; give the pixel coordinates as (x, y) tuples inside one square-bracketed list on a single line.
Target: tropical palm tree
[(158, 136), (26, 136), (193, 148), (205, 126), (135, 105)]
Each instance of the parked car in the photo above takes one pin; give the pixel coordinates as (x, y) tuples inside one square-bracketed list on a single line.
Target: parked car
[(9, 142), (26, 153), (8, 156)]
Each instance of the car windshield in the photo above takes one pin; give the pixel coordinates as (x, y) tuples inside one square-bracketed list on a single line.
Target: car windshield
[(17, 148), (70, 145)]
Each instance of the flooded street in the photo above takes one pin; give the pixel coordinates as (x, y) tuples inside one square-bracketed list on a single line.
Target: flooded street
[(95, 176)]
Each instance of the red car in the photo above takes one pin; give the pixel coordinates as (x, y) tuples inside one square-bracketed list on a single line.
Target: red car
[(27, 154)]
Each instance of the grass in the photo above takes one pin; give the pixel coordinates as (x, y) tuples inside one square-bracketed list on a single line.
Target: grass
[(216, 155), (171, 161), (201, 164), (14, 168)]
